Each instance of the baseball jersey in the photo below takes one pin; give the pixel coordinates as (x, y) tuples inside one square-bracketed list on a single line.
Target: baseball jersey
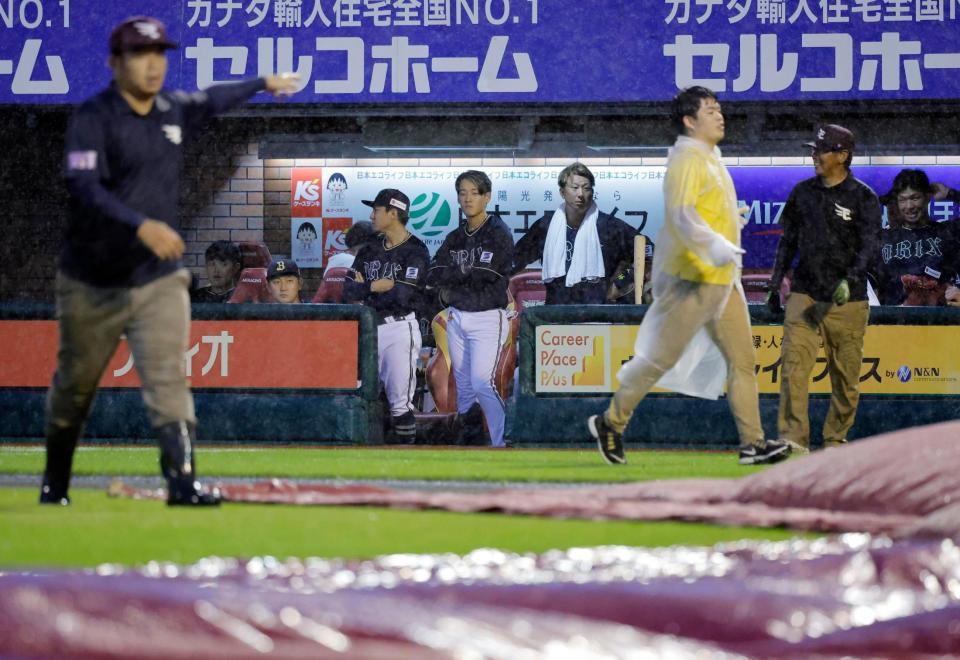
[(929, 250), (405, 264), (473, 269), (122, 168)]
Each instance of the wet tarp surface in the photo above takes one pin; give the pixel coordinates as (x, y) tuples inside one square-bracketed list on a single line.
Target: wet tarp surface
[(892, 592)]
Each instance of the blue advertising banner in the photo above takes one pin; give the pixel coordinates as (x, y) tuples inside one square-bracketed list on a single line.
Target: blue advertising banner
[(504, 51), (765, 191)]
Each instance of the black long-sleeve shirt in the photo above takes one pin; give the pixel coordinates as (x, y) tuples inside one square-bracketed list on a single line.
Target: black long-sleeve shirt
[(122, 168), (405, 264), (473, 269), (616, 245), (835, 232)]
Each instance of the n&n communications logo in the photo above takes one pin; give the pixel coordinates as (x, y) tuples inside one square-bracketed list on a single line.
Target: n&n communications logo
[(305, 193), (430, 214), (904, 374)]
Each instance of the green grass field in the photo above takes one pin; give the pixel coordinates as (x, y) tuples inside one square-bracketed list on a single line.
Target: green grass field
[(96, 529)]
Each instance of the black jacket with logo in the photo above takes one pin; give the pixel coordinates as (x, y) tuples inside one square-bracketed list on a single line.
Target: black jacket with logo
[(929, 250), (472, 269), (405, 264), (122, 168), (834, 232)]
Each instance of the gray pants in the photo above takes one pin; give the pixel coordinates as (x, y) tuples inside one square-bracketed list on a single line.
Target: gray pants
[(156, 320)]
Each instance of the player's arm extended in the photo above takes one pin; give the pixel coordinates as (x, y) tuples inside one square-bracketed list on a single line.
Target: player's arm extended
[(530, 246)]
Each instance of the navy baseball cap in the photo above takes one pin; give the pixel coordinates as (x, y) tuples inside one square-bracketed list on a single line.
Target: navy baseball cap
[(139, 32), (390, 197), (281, 267), (831, 137)]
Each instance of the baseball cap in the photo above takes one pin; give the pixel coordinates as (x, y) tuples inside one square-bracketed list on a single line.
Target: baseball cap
[(390, 197), (281, 267), (831, 137), (139, 32)]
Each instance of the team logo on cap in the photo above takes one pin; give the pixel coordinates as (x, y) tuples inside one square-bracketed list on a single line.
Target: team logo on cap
[(281, 266), (148, 30), (821, 134), (396, 202)]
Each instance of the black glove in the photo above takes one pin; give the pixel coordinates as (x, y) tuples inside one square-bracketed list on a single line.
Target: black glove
[(773, 301)]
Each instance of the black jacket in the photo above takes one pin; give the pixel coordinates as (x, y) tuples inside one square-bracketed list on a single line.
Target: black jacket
[(931, 250), (616, 244), (473, 270), (834, 232), (122, 168), (405, 264)]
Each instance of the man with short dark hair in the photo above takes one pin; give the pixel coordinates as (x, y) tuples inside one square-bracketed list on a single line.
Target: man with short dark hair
[(831, 224), (389, 274), (696, 286), (121, 271), (283, 278), (579, 247), (223, 263)]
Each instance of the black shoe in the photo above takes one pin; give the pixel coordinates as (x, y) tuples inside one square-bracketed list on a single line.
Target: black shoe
[(61, 443), (405, 429), (772, 451), (177, 465), (50, 495), (609, 442), (191, 493)]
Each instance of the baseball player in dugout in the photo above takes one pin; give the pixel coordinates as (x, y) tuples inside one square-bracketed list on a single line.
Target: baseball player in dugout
[(579, 247), (283, 278), (120, 271), (389, 274), (831, 226), (696, 290), (471, 270)]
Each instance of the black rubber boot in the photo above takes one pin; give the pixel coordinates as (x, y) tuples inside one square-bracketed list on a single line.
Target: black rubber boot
[(61, 443), (177, 465)]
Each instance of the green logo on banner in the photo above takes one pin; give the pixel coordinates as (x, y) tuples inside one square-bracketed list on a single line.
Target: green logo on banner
[(429, 214)]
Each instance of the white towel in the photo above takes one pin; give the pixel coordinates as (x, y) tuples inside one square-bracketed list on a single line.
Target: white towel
[(587, 261)]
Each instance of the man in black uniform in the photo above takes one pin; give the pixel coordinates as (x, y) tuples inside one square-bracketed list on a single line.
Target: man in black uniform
[(832, 221), (120, 270), (389, 273), (223, 263), (579, 247), (471, 270)]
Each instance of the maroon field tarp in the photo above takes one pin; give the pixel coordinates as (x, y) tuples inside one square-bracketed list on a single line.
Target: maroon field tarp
[(851, 595), (892, 592), (903, 484)]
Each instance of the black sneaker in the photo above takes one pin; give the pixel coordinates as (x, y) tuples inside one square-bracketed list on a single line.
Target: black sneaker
[(609, 442), (772, 451), (52, 495), (184, 492)]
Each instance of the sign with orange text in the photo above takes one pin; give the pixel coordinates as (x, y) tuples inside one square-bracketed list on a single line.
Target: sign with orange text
[(896, 359), (220, 354)]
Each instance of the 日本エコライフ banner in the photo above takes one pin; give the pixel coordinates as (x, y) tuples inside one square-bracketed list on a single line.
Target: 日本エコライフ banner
[(220, 354), (896, 359), (521, 195), (503, 51)]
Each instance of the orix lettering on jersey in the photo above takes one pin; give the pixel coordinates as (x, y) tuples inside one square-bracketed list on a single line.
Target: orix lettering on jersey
[(471, 257), (391, 270)]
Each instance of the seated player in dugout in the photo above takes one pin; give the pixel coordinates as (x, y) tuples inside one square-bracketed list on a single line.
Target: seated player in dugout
[(283, 278), (918, 257), (471, 271), (578, 246), (353, 237), (223, 264), (388, 276)]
